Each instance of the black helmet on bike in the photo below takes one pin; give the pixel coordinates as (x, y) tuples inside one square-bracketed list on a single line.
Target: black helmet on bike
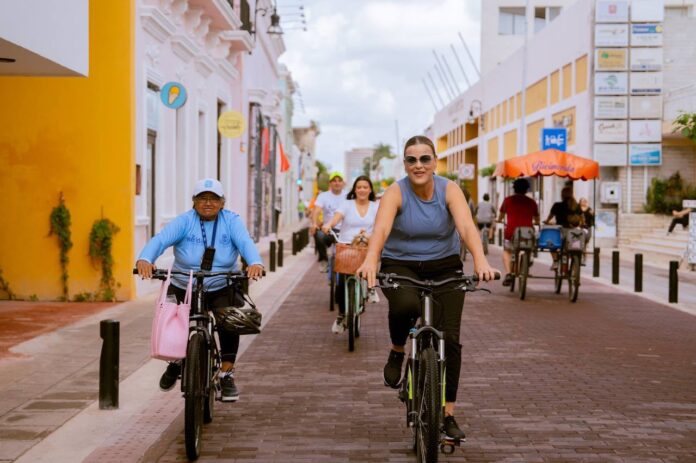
[(239, 320)]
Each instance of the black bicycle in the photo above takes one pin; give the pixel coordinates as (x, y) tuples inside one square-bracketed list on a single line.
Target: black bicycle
[(200, 381), (422, 387)]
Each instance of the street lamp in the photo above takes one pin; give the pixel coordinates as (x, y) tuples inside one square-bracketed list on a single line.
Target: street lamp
[(476, 110), (274, 28)]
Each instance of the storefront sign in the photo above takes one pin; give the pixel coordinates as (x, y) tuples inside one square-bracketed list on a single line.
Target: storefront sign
[(646, 35), (611, 107), (611, 83), (173, 95), (611, 35), (647, 10), (646, 59), (649, 83), (231, 124), (611, 59), (611, 11), (649, 154), (556, 138), (645, 131), (610, 131), (646, 107), (467, 171), (611, 154)]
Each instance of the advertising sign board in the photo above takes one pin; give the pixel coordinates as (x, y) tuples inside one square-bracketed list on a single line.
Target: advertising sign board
[(610, 131), (556, 138), (646, 35), (611, 59), (647, 10), (649, 83), (644, 131), (646, 59), (646, 107), (607, 11), (611, 107), (645, 154), (611, 35), (611, 83), (611, 154)]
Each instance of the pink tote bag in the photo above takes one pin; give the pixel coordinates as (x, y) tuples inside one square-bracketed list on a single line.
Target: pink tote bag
[(170, 325)]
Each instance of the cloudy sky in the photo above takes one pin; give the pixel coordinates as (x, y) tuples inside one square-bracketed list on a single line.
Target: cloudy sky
[(360, 65)]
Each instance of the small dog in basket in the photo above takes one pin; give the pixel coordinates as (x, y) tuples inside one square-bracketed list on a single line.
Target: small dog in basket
[(361, 239)]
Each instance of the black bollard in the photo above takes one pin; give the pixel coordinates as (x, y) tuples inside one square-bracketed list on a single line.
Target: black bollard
[(294, 243), (108, 365), (638, 280), (280, 253), (272, 257), (500, 237), (673, 281), (615, 267), (595, 263)]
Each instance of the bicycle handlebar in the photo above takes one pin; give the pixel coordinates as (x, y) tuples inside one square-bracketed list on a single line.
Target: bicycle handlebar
[(467, 279), (161, 274)]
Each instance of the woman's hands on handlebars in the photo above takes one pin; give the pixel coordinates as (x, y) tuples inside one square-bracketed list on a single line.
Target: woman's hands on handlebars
[(368, 271), (255, 271), (145, 269)]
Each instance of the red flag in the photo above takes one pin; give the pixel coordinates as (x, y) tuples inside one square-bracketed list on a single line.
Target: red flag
[(284, 162), (265, 148)]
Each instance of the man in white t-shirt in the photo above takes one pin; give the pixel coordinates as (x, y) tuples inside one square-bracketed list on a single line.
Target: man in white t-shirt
[(327, 202)]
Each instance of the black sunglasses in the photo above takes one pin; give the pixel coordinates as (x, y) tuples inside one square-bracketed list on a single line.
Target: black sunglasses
[(424, 160)]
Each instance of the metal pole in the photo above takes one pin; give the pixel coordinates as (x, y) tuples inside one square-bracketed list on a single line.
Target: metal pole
[(461, 66), (673, 281), (469, 53), (272, 257), (595, 263), (444, 83), (449, 70), (441, 68), (432, 82), (523, 127), (294, 243), (615, 267), (638, 279), (280, 253), (432, 100), (108, 364)]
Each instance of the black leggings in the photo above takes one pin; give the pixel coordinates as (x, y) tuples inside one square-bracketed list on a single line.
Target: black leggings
[(405, 308), (225, 297), (683, 221)]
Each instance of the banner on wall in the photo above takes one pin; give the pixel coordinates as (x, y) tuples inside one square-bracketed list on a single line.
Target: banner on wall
[(646, 107), (611, 83), (646, 83), (611, 107), (646, 35), (646, 59), (645, 154), (611, 35), (611, 59), (643, 131), (607, 11), (610, 131)]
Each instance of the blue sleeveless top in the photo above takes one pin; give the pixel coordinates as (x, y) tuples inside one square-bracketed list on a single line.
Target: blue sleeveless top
[(422, 230)]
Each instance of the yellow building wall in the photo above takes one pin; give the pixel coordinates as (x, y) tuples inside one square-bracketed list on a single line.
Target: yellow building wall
[(493, 150), (581, 74), (518, 99), (567, 81), (441, 166), (75, 135), (555, 87), (510, 144), (442, 144), (511, 114), (537, 96), (533, 134)]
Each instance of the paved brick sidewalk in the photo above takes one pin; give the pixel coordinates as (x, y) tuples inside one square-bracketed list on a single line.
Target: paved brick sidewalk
[(607, 379)]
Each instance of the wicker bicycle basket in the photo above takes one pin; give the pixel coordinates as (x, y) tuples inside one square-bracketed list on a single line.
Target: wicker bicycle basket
[(349, 258)]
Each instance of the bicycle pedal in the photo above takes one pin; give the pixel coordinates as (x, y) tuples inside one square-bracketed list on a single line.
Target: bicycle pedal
[(448, 444), (447, 440)]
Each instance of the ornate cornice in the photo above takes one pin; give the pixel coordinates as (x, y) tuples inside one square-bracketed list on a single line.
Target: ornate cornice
[(239, 40), (156, 23), (204, 65), (184, 48)]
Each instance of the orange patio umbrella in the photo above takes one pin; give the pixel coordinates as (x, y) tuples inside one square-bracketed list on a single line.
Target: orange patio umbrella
[(548, 162)]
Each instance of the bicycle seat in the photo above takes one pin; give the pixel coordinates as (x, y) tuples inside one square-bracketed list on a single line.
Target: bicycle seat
[(550, 238)]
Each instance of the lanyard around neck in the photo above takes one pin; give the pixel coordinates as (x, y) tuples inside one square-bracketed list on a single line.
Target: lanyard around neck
[(205, 238)]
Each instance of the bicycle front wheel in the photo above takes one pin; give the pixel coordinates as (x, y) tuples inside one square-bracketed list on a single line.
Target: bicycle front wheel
[(194, 394), (332, 291), (429, 407), (209, 408), (350, 312), (524, 273), (574, 278)]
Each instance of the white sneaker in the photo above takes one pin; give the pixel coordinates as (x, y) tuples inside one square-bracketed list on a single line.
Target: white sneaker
[(372, 296), (337, 327)]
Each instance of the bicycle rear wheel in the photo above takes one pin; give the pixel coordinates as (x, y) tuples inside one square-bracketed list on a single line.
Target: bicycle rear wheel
[(194, 394), (524, 271), (350, 312), (429, 407), (332, 292), (574, 278)]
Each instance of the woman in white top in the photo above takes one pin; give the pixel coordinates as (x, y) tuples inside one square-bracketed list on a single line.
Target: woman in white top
[(357, 216)]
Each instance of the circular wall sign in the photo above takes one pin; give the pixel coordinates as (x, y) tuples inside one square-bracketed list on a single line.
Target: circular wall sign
[(173, 95), (231, 124)]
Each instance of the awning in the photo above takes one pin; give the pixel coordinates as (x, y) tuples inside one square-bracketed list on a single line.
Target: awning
[(548, 162)]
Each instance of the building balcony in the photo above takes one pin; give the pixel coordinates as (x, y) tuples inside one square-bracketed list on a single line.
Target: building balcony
[(223, 13)]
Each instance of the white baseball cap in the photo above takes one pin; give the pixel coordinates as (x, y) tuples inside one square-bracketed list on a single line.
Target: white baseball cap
[(208, 184)]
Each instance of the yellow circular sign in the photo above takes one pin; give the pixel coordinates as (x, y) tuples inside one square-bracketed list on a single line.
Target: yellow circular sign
[(231, 124)]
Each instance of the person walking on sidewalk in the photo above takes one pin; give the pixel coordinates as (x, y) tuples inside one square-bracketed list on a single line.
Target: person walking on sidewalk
[(327, 202), (521, 211), (417, 233), (485, 215), (207, 226), (357, 217), (680, 218)]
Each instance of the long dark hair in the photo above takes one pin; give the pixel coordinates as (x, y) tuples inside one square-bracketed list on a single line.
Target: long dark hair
[(420, 140), (352, 195)]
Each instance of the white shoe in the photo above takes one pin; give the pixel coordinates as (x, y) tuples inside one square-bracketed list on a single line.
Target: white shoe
[(337, 327), (372, 296)]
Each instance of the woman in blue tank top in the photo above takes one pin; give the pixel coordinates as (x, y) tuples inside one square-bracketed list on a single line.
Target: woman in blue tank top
[(417, 233)]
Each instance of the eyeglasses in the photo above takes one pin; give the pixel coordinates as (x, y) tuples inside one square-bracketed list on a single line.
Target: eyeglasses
[(424, 160), (207, 199)]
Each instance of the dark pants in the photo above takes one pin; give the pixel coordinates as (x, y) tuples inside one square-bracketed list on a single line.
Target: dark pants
[(683, 221), (405, 308), (229, 342), (340, 293), (322, 241)]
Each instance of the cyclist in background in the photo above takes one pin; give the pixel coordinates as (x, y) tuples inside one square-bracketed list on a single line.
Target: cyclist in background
[(521, 211), (419, 223), (327, 202), (485, 215), (357, 217), (567, 214), (207, 226)]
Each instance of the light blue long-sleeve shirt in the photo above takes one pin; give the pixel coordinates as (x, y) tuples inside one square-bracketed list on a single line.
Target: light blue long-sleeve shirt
[(184, 233)]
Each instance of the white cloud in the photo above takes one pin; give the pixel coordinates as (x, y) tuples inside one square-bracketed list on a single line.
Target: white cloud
[(360, 65)]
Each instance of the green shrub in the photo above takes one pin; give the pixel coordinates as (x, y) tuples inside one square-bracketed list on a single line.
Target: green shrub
[(666, 195)]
